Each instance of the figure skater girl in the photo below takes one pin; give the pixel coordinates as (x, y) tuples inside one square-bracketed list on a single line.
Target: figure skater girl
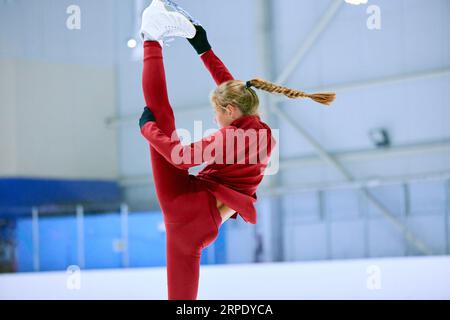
[(195, 206)]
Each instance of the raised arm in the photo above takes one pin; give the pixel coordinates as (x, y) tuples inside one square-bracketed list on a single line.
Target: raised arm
[(181, 156), (215, 66)]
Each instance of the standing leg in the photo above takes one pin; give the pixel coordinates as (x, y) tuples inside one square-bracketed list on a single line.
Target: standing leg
[(185, 242)]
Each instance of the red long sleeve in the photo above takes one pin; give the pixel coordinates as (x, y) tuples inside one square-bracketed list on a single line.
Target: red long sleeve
[(185, 156), (215, 66), (232, 183)]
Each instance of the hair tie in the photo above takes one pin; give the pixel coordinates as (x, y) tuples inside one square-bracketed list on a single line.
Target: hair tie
[(248, 84)]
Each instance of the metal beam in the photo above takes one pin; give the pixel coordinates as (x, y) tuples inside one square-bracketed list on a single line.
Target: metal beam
[(80, 236), (319, 28), (124, 235), (274, 217), (369, 83), (326, 186), (348, 176), (35, 238), (370, 154), (356, 184), (447, 217), (341, 87), (347, 156)]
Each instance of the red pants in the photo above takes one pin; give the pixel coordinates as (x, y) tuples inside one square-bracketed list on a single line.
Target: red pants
[(191, 217)]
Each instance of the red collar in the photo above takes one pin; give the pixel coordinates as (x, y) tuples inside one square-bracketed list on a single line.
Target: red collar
[(245, 119)]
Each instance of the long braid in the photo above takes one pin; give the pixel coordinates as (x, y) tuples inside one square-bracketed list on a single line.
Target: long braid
[(324, 97)]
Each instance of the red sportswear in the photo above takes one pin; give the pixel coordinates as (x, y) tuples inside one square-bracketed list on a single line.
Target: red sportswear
[(233, 183)]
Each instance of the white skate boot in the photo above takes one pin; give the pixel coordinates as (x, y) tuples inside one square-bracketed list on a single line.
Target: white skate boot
[(173, 6), (159, 23)]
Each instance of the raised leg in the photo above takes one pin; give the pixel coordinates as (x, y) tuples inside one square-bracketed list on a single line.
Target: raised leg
[(170, 181)]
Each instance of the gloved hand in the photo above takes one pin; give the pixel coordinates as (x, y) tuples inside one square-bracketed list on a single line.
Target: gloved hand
[(200, 41), (146, 116)]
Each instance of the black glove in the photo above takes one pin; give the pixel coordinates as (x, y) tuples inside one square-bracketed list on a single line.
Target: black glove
[(146, 116), (200, 41)]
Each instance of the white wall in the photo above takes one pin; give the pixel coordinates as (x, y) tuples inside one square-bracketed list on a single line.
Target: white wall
[(398, 278), (8, 137), (36, 30), (54, 120), (58, 87)]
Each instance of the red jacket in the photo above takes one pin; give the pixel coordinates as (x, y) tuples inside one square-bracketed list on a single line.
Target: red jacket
[(237, 156)]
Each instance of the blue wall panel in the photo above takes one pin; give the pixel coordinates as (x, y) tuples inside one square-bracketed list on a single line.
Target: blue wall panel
[(102, 232), (26, 192), (102, 242)]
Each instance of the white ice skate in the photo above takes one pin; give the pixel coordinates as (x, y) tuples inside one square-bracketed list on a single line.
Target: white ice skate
[(159, 23), (173, 6)]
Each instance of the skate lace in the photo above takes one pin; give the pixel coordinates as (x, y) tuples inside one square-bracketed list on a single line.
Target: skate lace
[(169, 28)]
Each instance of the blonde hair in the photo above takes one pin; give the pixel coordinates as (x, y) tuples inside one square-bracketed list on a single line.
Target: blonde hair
[(234, 92), (241, 95)]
